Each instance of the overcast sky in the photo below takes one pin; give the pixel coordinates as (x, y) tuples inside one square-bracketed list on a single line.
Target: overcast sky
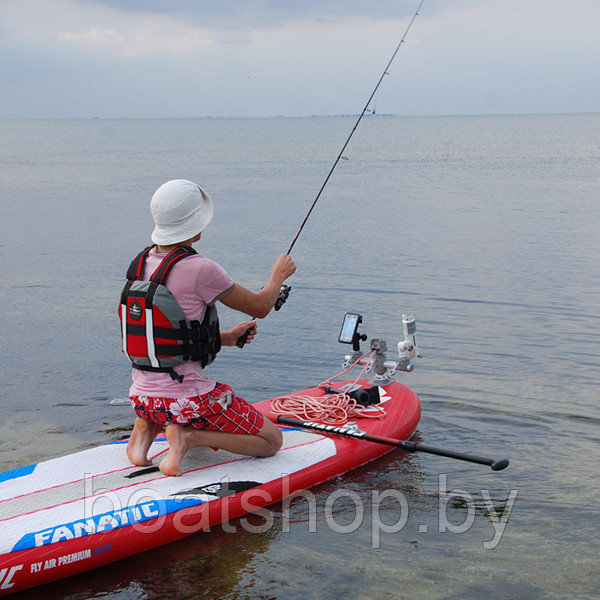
[(180, 58)]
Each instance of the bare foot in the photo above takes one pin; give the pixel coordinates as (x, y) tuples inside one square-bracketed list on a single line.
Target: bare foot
[(141, 439), (178, 446)]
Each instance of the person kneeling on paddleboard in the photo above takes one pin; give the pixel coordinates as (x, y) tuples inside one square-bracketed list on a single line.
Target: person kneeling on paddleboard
[(170, 331)]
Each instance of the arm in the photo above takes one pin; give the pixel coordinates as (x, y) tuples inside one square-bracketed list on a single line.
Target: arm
[(259, 304)]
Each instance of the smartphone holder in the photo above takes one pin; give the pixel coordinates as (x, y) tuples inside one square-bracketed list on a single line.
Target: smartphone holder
[(349, 333)]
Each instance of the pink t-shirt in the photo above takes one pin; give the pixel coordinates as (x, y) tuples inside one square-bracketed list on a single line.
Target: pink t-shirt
[(194, 281)]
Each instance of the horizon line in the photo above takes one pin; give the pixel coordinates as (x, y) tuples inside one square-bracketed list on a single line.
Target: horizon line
[(313, 116)]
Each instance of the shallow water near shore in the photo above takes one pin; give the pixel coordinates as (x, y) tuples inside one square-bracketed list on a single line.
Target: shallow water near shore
[(484, 228)]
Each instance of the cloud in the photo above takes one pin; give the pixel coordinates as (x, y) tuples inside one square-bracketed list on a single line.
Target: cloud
[(294, 57), (95, 36), (150, 28), (252, 14), (141, 40), (68, 25)]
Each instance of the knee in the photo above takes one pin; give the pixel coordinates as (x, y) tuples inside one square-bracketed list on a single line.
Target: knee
[(275, 441), (273, 437)]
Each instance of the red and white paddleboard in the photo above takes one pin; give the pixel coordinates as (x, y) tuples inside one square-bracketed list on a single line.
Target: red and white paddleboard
[(84, 510)]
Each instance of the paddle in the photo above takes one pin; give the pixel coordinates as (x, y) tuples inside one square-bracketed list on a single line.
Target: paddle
[(496, 465)]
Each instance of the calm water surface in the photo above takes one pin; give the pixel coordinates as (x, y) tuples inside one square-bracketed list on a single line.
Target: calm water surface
[(485, 228)]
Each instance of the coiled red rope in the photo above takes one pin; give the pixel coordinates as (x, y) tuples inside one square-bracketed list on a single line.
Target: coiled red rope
[(332, 409)]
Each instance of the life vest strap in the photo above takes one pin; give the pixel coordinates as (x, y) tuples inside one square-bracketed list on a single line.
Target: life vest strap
[(160, 275), (170, 370), (137, 265)]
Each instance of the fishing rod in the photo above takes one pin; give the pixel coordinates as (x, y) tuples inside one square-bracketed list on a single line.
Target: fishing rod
[(362, 114), (285, 289)]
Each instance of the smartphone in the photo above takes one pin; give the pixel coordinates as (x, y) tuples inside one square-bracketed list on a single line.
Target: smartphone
[(349, 327)]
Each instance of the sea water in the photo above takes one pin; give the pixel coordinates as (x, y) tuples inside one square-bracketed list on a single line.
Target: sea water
[(484, 228)]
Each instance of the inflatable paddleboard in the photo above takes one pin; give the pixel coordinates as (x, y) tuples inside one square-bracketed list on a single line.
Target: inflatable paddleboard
[(79, 512)]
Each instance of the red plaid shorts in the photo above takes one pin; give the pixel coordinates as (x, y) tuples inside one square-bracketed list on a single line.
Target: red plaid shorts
[(219, 410)]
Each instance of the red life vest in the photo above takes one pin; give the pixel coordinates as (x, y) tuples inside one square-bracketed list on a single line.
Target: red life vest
[(155, 331)]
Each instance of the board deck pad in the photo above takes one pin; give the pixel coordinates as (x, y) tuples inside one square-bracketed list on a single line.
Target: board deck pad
[(54, 514), (72, 507)]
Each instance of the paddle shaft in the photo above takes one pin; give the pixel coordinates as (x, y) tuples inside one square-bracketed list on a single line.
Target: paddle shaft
[(404, 445)]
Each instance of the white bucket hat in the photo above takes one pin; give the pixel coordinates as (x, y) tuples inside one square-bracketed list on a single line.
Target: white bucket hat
[(181, 209)]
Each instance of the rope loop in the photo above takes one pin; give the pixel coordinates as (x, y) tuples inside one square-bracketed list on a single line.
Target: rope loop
[(332, 409)]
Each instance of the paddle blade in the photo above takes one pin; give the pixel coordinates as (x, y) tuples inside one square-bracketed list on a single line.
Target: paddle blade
[(499, 465)]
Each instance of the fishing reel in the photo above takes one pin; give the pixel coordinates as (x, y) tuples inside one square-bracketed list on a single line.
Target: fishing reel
[(284, 292), (377, 360)]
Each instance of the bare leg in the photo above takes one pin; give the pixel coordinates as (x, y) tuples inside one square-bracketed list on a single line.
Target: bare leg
[(141, 439), (265, 443)]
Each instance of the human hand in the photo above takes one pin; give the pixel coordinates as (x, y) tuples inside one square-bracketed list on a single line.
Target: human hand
[(240, 335), (283, 268)]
